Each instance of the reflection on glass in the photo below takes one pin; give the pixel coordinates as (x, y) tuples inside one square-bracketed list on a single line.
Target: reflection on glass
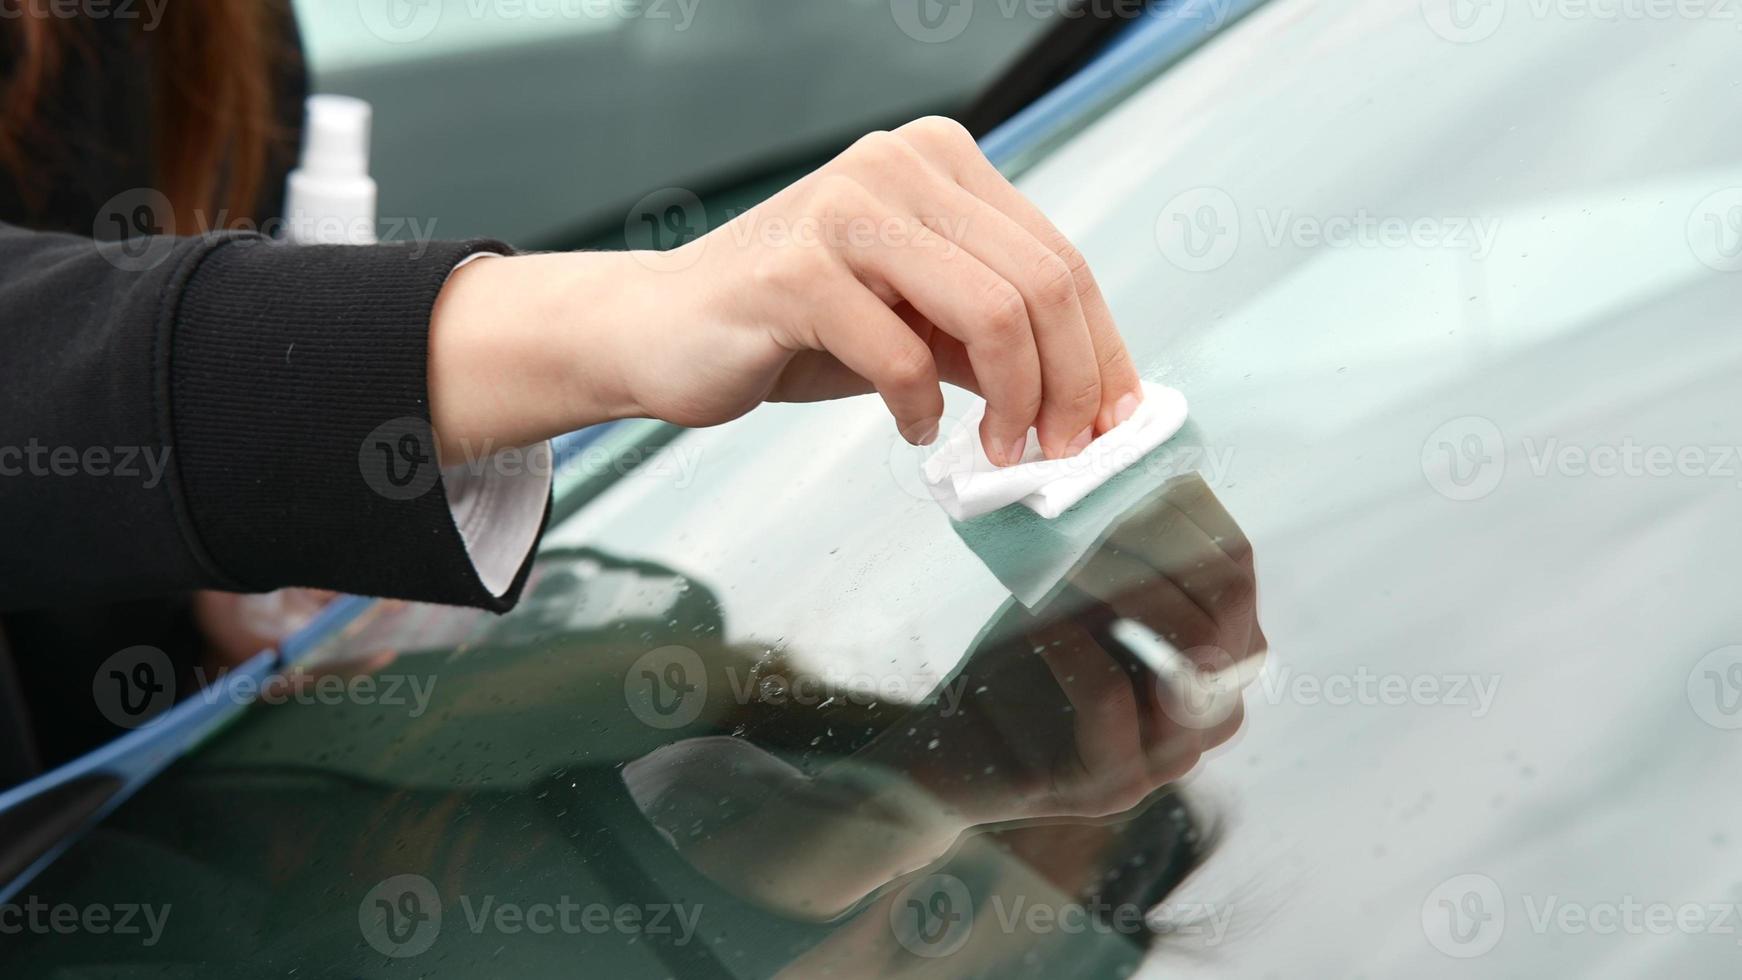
[(1080, 710), (605, 749)]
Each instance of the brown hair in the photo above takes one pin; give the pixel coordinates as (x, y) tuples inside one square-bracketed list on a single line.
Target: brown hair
[(212, 97)]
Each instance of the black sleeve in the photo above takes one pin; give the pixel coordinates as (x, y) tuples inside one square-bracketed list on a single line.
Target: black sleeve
[(223, 412)]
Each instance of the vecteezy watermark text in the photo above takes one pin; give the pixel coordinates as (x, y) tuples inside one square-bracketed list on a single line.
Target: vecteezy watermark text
[(36, 917), (661, 223), (934, 916), (138, 230), (398, 460), (136, 685), (147, 13), (147, 464), (1201, 229), (940, 21), (410, 21), (1467, 915), (411, 692), (1470, 21), (1466, 458), (403, 916), (1364, 687), (669, 687)]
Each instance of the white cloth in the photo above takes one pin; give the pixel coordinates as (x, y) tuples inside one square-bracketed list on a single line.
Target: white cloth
[(498, 509), (967, 484)]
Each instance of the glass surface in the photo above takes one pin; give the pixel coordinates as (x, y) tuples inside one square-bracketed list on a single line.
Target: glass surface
[(613, 780), (1456, 313)]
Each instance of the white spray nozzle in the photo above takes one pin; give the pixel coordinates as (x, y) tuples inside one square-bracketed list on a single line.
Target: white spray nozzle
[(338, 137)]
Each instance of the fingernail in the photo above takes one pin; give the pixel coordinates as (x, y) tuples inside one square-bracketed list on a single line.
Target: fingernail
[(1014, 450), (1081, 442), (1125, 407), (928, 434)]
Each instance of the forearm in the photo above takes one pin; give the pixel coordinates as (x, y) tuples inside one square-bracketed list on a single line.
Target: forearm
[(200, 413)]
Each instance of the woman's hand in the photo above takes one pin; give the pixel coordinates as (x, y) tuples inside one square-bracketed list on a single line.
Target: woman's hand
[(906, 261)]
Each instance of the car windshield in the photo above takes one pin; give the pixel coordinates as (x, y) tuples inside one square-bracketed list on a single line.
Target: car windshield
[(1410, 655), (469, 92)]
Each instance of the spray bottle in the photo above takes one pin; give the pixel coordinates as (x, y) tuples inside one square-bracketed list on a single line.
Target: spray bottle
[(330, 198)]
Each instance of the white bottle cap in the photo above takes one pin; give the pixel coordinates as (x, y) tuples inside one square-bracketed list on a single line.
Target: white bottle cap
[(338, 137), (330, 198)]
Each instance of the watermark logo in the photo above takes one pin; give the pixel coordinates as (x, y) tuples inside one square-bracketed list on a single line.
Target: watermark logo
[(1715, 688), (659, 226), (402, 916), (666, 688), (1199, 687), (1464, 459), (398, 459), (401, 21), (134, 686), (1464, 21), (932, 21), (1714, 230), (1199, 229), (932, 916), (1464, 916), (136, 229)]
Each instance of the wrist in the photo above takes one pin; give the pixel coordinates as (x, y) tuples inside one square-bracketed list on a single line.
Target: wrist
[(605, 298), (526, 348)]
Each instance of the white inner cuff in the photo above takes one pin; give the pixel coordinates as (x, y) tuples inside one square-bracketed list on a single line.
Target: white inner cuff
[(499, 509)]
